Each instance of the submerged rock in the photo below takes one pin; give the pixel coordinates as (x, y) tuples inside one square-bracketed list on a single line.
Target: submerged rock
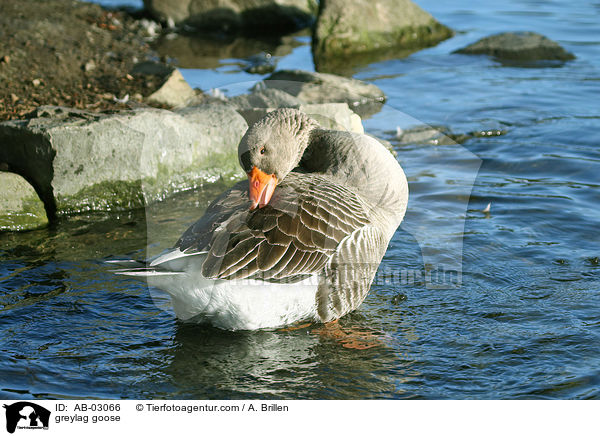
[(518, 47), (20, 206), (363, 98), (430, 135), (349, 28), (440, 135), (251, 16), (79, 161)]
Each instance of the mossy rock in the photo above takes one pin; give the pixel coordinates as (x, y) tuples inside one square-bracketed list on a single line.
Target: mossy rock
[(518, 47), (345, 29), (79, 161), (20, 206)]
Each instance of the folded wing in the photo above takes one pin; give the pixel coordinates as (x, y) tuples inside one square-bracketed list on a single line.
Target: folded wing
[(295, 235)]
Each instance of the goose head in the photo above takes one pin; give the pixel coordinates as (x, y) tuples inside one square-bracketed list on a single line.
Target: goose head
[(271, 148)]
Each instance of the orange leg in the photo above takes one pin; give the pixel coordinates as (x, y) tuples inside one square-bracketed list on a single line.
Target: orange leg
[(295, 327), (348, 337)]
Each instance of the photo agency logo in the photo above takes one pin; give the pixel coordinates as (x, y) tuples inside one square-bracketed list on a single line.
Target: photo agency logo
[(425, 251), (24, 415)]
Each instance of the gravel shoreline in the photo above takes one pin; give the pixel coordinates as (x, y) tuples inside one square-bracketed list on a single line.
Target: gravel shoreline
[(70, 53)]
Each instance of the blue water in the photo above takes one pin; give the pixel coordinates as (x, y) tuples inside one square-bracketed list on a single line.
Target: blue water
[(467, 304)]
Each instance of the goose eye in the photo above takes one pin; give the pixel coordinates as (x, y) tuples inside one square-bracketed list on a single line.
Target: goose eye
[(262, 150)]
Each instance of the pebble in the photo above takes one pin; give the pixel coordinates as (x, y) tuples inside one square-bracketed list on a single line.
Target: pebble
[(5, 59), (89, 66), (121, 100), (14, 98), (152, 28), (36, 82)]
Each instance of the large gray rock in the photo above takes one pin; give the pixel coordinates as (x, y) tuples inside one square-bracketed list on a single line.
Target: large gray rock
[(519, 47), (346, 28), (80, 161), (261, 101), (334, 116), (363, 98), (265, 98), (20, 206), (253, 16)]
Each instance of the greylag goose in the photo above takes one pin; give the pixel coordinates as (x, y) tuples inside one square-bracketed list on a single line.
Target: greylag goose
[(300, 240)]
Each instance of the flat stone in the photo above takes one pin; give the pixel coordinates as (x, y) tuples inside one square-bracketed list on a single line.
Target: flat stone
[(265, 98), (363, 98), (80, 161), (346, 28), (20, 206), (519, 47), (334, 116)]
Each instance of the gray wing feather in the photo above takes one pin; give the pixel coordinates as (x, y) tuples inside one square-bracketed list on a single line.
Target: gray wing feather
[(347, 278), (295, 235)]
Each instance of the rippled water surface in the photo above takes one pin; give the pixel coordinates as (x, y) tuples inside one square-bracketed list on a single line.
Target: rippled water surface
[(468, 303)]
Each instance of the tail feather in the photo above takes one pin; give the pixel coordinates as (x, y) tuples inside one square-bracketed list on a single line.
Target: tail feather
[(139, 268), (146, 272), (127, 263)]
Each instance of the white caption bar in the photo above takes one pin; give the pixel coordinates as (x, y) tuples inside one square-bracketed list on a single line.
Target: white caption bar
[(297, 417)]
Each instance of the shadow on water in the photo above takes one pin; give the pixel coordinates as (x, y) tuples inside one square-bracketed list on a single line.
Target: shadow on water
[(84, 236)]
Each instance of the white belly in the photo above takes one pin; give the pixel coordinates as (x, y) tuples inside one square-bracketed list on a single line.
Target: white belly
[(239, 304)]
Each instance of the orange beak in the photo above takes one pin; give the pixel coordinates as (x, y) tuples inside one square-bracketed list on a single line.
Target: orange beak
[(262, 186)]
